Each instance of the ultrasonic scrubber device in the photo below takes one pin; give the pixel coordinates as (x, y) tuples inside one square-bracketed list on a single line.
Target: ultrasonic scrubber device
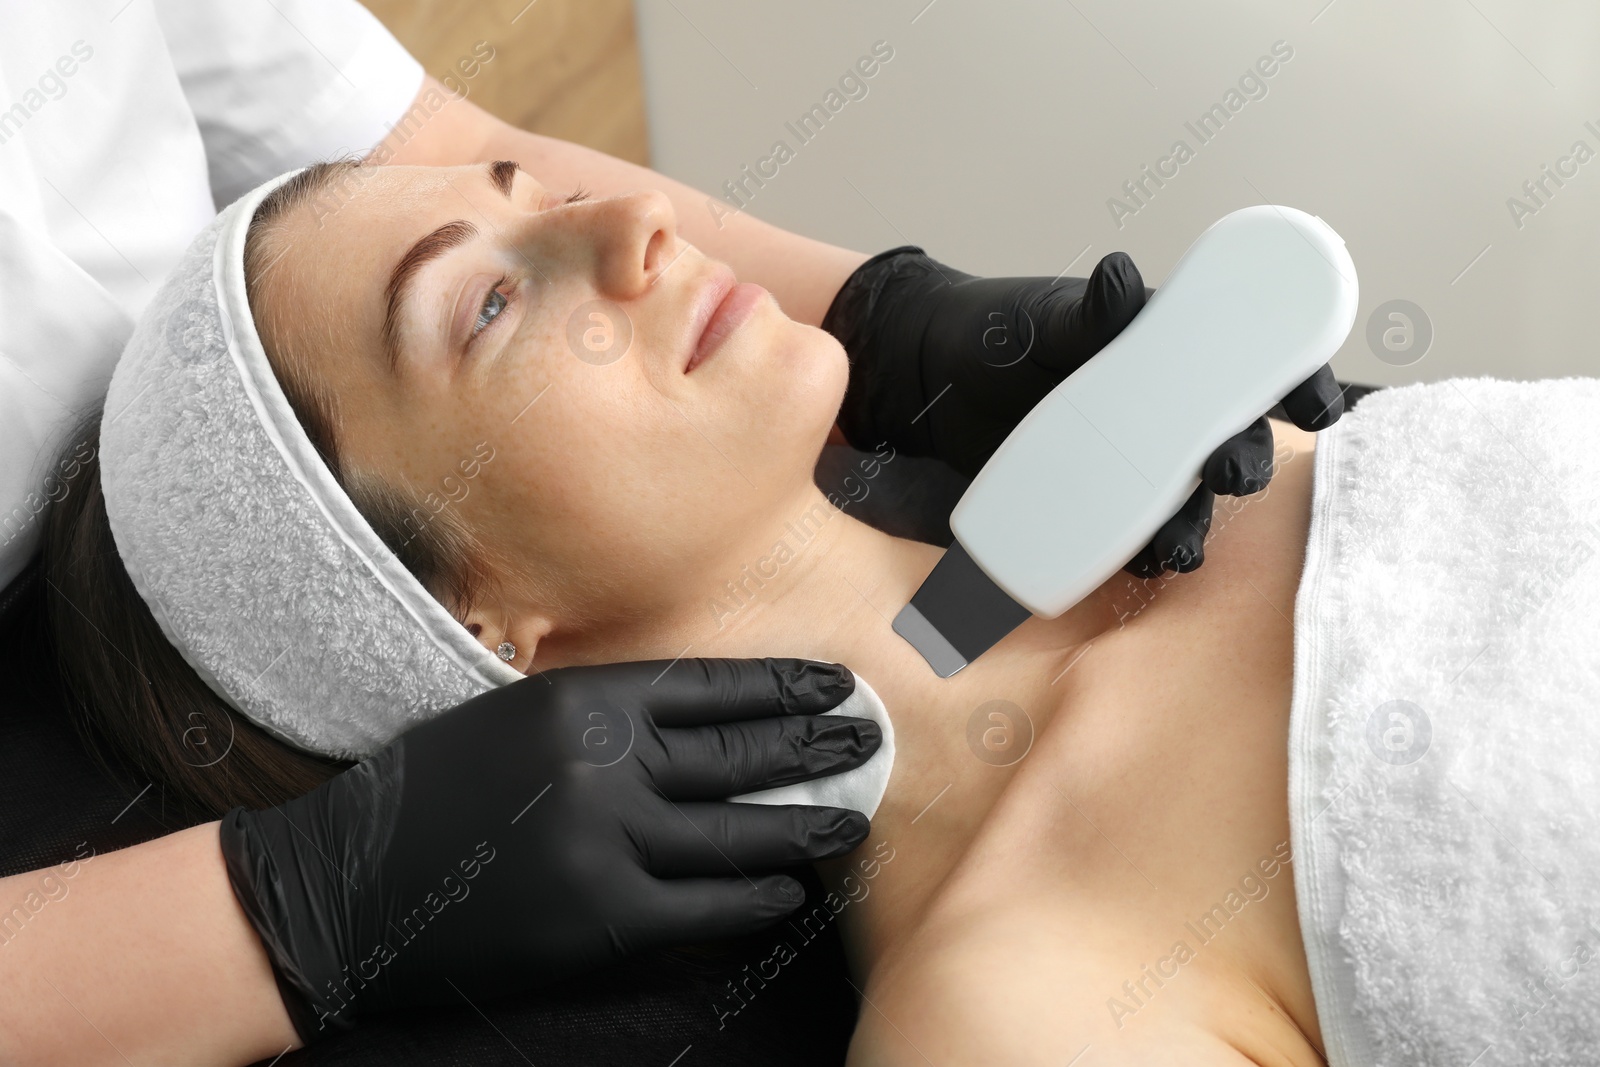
[(1264, 297)]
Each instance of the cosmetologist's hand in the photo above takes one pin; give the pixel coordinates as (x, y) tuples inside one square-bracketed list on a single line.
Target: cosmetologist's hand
[(545, 828), (946, 364)]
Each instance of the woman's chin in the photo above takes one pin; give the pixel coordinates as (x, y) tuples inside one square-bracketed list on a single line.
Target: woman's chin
[(829, 375), (821, 354), (805, 373)]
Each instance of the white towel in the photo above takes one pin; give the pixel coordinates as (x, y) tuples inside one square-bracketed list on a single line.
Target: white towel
[(1445, 735)]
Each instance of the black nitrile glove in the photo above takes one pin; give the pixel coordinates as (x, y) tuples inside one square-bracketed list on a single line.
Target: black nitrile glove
[(546, 828), (945, 364)]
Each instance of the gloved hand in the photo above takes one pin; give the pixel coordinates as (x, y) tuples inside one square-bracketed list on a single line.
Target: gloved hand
[(545, 828), (946, 364)]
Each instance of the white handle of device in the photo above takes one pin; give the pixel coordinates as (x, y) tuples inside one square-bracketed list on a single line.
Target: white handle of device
[(1263, 297)]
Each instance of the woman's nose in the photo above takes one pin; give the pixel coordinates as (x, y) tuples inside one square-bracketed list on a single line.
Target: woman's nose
[(633, 240)]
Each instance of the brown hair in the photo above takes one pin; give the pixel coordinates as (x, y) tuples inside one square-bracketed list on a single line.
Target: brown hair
[(132, 692)]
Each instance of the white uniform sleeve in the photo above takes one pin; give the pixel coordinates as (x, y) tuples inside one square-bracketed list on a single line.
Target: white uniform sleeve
[(277, 84)]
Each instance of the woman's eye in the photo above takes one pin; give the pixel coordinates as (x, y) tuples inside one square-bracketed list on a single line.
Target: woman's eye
[(493, 305)]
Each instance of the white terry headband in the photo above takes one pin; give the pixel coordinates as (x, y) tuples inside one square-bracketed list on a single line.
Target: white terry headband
[(259, 569)]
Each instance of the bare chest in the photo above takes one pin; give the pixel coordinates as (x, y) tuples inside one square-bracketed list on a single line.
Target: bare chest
[(1135, 849)]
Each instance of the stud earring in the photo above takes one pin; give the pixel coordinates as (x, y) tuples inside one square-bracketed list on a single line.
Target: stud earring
[(507, 651)]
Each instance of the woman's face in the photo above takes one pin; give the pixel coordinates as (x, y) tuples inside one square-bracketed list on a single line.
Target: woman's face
[(533, 372)]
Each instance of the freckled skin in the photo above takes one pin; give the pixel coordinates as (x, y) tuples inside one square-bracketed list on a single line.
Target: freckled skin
[(1013, 897), (629, 461)]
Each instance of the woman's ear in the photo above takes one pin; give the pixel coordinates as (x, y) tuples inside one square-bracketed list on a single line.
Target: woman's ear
[(512, 638)]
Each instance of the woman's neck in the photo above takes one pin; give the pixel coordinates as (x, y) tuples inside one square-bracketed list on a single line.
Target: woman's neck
[(818, 583), (823, 585), (813, 582)]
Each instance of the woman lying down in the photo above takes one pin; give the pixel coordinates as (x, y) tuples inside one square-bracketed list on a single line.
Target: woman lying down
[(1331, 798)]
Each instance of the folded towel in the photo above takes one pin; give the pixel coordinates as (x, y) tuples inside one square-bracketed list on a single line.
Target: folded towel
[(1445, 733)]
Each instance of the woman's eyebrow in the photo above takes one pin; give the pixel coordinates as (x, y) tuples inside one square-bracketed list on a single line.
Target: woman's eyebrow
[(429, 248), (501, 173)]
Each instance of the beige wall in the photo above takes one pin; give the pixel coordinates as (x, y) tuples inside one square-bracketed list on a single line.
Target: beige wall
[(567, 68), (1001, 129)]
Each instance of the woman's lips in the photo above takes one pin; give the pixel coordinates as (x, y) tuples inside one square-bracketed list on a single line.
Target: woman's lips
[(738, 303)]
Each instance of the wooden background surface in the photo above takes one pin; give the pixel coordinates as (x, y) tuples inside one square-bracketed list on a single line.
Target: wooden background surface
[(566, 68)]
